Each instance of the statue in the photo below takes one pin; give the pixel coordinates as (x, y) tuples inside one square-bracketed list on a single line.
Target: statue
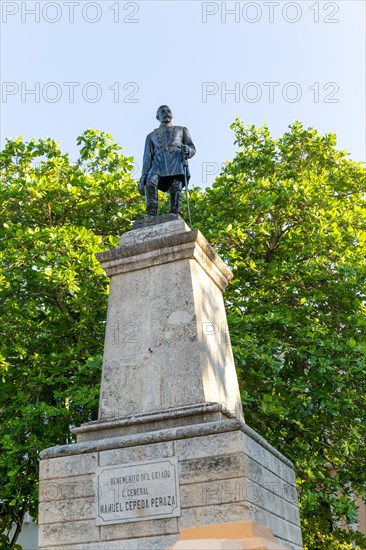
[(165, 165)]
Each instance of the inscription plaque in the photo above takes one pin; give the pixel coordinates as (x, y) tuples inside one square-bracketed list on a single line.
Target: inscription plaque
[(138, 491)]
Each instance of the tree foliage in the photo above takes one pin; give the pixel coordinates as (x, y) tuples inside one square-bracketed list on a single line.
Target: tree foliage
[(54, 216), (289, 216)]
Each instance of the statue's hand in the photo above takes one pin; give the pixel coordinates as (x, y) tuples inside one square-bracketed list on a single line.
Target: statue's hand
[(141, 186), (185, 150)]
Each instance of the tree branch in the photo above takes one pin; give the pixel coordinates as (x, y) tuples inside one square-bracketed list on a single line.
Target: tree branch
[(19, 523)]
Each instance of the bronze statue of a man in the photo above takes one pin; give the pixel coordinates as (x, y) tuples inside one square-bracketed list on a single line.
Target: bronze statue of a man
[(165, 165)]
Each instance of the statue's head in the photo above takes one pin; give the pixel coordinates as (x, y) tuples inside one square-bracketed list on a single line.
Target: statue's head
[(164, 114)]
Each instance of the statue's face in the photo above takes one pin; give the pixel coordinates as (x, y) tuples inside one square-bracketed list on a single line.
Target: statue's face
[(165, 114)]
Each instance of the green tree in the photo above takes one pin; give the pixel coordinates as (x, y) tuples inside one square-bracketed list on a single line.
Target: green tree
[(289, 216), (54, 216)]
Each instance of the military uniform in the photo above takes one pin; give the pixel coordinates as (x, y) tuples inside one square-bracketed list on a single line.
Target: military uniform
[(165, 167)]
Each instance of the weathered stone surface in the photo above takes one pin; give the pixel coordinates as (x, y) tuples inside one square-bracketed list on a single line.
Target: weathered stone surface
[(67, 488), (227, 484), (156, 231), (257, 452), (145, 543), (68, 533), (167, 526), (173, 418), (238, 501), (215, 444), (162, 218), (294, 533), (288, 473), (212, 468), (231, 490), (205, 515), (271, 482), (291, 513), (72, 509), (132, 440), (244, 440), (166, 336), (134, 454), (150, 246), (68, 466)]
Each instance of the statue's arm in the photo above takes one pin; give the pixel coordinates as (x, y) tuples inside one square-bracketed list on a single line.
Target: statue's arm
[(148, 157), (187, 140), (146, 164)]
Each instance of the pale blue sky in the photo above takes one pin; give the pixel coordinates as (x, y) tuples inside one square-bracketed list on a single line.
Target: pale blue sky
[(164, 52)]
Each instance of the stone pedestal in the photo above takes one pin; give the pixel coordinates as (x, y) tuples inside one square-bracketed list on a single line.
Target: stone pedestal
[(170, 449), (167, 343)]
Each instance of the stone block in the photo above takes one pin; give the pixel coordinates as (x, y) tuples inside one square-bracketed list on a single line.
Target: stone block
[(273, 521), (264, 517), (148, 528), (144, 543), (233, 511), (68, 532), (294, 534), (68, 466), (205, 515), (288, 474), (263, 456), (73, 509), (212, 468), (270, 481), (137, 453), (231, 490), (179, 417), (67, 488), (209, 445), (291, 513)]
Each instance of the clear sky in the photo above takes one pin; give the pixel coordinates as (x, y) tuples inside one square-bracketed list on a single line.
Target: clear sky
[(109, 64)]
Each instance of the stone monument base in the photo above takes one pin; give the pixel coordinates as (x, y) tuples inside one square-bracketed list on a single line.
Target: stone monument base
[(165, 454), (211, 471)]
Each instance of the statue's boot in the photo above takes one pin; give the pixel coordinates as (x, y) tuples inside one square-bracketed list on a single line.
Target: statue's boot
[(151, 199), (175, 203)]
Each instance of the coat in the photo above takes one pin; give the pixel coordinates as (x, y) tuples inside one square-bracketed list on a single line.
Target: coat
[(163, 154)]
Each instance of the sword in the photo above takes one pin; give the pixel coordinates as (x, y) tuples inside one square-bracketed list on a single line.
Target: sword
[(185, 166)]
